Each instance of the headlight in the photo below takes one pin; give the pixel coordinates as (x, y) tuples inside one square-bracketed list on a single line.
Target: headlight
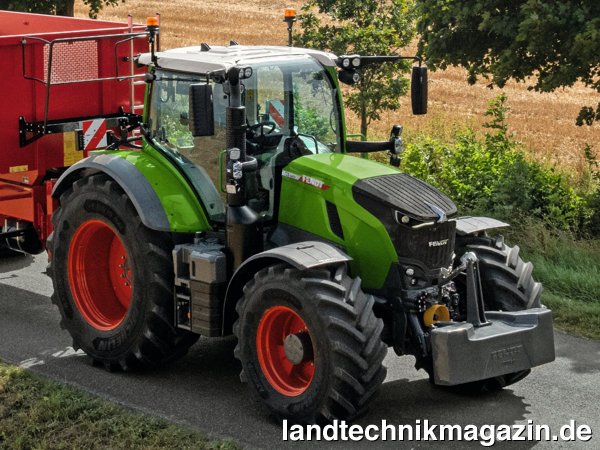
[(245, 72), (348, 76), (237, 170), (397, 146)]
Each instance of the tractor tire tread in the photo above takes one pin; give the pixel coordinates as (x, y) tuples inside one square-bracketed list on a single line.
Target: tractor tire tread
[(354, 364), (156, 341)]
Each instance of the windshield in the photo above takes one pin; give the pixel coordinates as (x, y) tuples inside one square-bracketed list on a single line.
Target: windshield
[(295, 98), (291, 111)]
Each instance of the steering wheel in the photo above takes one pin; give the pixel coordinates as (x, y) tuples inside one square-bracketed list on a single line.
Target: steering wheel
[(261, 126)]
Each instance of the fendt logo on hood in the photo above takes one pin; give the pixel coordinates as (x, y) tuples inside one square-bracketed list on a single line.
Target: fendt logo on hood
[(306, 180), (438, 243)]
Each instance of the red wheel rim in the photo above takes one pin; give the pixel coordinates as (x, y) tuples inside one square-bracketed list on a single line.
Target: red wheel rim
[(99, 275), (276, 324)]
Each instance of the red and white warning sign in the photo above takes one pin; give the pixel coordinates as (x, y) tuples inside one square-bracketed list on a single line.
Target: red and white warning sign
[(276, 110), (94, 134)]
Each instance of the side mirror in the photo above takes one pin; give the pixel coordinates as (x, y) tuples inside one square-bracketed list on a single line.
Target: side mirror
[(202, 119), (418, 90)]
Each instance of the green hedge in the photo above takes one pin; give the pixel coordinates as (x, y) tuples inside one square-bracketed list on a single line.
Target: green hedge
[(491, 175)]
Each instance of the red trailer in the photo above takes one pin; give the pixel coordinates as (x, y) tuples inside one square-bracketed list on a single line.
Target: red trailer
[(66, 84)]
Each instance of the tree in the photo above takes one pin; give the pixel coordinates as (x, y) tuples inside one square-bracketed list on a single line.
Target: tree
[(58, 7), (557, 41), (364, 27)]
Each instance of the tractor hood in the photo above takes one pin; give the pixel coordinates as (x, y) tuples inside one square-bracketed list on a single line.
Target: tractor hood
[(336, 170), (411, 199), (376, 213), (374, 183)]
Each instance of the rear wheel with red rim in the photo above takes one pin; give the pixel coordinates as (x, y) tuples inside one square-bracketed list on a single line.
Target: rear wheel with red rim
[(309, 343), (99, 275), (112, 278)]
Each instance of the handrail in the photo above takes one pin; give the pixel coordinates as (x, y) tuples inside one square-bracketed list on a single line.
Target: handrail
[(125, 37)]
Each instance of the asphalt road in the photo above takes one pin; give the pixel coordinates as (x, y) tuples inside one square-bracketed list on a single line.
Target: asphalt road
[(202, 390)]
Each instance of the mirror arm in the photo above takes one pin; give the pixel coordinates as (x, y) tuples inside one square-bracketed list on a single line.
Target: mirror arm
[(368, 147), (364, 60)]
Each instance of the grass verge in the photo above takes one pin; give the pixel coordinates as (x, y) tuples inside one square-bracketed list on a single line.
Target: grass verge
[(39, 414), (568, 268), (574, 316)]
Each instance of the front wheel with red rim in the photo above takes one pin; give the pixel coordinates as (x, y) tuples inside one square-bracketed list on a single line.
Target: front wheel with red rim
[(285, 351), (112, 278), (309, 343)]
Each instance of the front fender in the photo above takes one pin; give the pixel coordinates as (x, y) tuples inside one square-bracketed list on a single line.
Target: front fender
[(473, 225), (301, 255)]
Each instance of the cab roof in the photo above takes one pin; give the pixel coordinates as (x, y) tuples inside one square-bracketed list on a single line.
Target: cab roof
[(205, 59)]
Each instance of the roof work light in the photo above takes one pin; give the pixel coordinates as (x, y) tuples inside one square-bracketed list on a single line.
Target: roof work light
[(289, 16)]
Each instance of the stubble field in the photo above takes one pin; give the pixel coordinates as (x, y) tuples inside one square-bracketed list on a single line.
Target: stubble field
[(544, 122)]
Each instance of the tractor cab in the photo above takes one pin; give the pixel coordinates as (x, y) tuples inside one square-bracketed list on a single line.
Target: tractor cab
[(291, 107)]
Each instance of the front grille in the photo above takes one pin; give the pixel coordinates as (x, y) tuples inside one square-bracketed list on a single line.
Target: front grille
[(431, 245)]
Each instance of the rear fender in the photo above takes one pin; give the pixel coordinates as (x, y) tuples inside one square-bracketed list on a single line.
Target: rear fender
[(166, 203)]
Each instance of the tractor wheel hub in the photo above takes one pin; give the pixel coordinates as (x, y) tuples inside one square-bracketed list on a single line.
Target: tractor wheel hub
[(298, 347)]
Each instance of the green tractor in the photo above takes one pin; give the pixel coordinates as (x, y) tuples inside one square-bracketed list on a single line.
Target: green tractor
[(243, 213)]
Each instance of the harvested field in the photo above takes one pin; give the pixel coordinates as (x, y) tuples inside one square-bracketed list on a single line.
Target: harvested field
[(545, 123)]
